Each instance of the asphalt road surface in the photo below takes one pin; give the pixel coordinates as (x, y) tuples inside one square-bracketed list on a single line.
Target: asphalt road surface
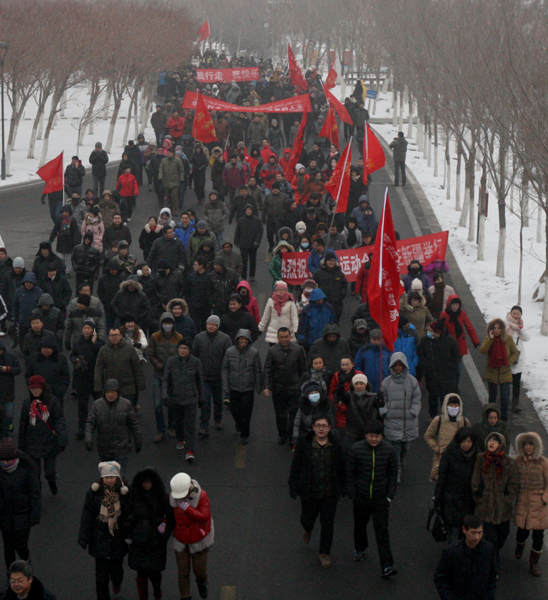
[(258, 552)]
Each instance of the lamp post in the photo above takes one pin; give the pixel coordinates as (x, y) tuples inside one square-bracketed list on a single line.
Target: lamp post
[(3, 52)]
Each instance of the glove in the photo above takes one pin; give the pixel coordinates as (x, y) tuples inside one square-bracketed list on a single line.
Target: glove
[(293, 494), (138, 449), (184, 505), (128, 541), (476, 345), (380, 395), (62, 449), (43, 199), (68, 347), (162, 528), (137, 345), (83, 545), (389, 500), (34, 522), (256, 244), (89, 446)]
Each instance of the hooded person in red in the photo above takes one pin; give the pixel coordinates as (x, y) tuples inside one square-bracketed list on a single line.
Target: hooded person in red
[(269, 170), (457, 323), (250, 302), (284, 161)]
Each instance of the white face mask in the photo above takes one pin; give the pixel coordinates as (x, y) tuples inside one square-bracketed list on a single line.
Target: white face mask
[(314, 397), (167, 326), (453, 410)]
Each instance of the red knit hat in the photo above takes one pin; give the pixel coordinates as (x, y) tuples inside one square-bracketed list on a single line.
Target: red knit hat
[(36, 381)]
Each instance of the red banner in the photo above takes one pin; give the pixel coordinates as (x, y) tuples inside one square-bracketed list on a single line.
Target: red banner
[(296, 104), (52, 174), (204, 32), (227, 75), (426, 249)]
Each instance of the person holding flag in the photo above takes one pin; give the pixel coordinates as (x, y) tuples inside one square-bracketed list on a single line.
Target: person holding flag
[(52, 174)]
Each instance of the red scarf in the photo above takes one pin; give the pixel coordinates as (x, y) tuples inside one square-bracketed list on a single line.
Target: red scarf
[(498, 356), (279, 301), (38, 409), (494, 458)]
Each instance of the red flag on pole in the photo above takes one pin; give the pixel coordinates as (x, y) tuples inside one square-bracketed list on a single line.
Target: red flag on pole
[(203, 32), (203, 123), (384, 285), (330, 129), (297, 149), (52, 174), (339, 184), (339, 107), (331, 80), (373, 154), (295, 73)]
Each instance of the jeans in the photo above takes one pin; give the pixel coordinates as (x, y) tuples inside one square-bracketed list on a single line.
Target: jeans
[(55, 209), (213, 390), (348, 130), (98, 186), (10, 411), (433, 404), (285, 408), (68, 260), (107, 570), (185, 560), (241, 408), (326, 508), (538, 536), (459, 370), (250, 253), (182, 190), (199, 315), (185, 424), (399, 165), (15, 541), (49, 467), (158, 404), (401, 448), (127, 204), (110, 318), (379, 510), (121, 460), (504, 397)]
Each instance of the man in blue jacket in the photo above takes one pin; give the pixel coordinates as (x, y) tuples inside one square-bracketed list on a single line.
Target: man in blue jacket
[(370, 357), (25, 301), (315, 316), (407, 343)]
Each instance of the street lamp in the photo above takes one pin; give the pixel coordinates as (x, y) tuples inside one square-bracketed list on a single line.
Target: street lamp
[(3, 52)]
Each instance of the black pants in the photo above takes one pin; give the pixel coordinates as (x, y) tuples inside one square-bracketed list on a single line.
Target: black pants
[(399, 165), (15, 541), (160, 193), (127, 204), (271, 231), (285, 407), (199, 185), (434, 403), (200, 314), (348, 130), (326, 508), (185, 423), (83, 389), (250, 253), (49, 467), (496, 534), (241, 408), (379, 510), (538, 537), (516, 380), (107, 570)]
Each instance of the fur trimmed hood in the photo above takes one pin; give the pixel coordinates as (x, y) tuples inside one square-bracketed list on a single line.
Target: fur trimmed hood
[(125, 284), (530, 437), (177, 301), (491, 326)]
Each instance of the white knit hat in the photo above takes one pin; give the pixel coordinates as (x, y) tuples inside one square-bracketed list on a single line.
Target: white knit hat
[(416, 284)]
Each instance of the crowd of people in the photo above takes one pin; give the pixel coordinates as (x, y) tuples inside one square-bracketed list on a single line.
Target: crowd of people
[(184, 302)]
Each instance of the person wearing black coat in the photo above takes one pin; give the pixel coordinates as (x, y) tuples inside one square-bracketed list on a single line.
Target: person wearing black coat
[(238, 317), (332, 281), (42, 429), (248, 236), (439, 359), (67, 233), (108, 287), (196, 293), (11, 280), (149, 234), (169, 283), (103, 529), (134, 155), (131, 300), (52, 366), (371, 482), (9, 369), (74, 176), (222, 283), (24, 584), (318, 476), (98, 160), (453, 496), (86, 260), (20, 500), (46, 260), (56, 285), (150, 523), (83, 357), (167, 248)]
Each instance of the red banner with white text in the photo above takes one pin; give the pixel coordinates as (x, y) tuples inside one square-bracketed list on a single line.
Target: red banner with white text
[(227, 75), (426, 249), (296, 104)]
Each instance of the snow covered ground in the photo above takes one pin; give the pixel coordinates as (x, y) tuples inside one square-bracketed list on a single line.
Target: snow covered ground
[(65, 135)]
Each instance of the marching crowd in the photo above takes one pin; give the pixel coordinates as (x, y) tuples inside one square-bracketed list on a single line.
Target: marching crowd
[(180, 316)]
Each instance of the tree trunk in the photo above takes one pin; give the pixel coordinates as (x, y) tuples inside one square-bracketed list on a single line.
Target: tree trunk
[(128, 122), (410, 122), (37, 120), (525, 199), (394, 107), (539, 220), (419, 131), (40, 132), (435, 149), (472, 194), (481, 221), (457, 178), (52, 113), (501, 201), (117, 104), (429, 145), (400, 122), (520, 273), (106, 103), (544, 324), (448, 165)]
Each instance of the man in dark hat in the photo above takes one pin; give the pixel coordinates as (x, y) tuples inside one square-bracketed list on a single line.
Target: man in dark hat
[(222, 283)]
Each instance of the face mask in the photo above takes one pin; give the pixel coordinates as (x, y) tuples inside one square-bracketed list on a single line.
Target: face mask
[(130, 329), (167, 326), (430, 335), (305, 245), (314, 397), (453, 411)]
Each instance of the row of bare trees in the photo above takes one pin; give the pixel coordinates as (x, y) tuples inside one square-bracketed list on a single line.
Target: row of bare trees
[(117, 48)]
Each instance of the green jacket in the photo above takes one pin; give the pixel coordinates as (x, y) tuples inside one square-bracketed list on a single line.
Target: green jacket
[(171, 172)]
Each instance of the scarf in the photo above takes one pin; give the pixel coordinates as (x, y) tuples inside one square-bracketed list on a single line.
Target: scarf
[(110, 509), (152, 227), (494, 458), (279, 301), (454, 318), (351, 238), (38, 409), (11, 466), (498, 356), (436, 307), (346, 377), (65, 225)]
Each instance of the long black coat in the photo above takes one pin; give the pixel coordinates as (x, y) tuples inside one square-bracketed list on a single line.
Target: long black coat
[(39, 441), (333, 284), (95, 533), (108, 287), (54, 369), (249, 232), (148, 509), (232, 322), (66, 238), (454, 486), (58, 288), (7, 380), (20, 496), (438, 362)]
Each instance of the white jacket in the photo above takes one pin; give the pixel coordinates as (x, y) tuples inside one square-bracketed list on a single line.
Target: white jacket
[(520, 336), (288, 318)]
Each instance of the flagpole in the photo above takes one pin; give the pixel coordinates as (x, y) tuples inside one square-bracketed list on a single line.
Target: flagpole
[(63, 175), (340, 184), (366, 157), (383, 218), (195, 124)]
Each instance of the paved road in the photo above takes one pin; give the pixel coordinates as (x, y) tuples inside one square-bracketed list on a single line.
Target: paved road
[(258, 554)]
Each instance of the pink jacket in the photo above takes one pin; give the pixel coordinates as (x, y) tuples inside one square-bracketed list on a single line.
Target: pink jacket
[(95, 226), (253, 305)]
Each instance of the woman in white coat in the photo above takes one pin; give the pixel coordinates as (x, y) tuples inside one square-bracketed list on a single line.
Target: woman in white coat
[(515, 328), (280, 311)]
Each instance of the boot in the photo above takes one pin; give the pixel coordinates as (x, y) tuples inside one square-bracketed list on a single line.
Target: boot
[(515, 405), (533, 563), (142, 587), (518, 553), (157, 587)]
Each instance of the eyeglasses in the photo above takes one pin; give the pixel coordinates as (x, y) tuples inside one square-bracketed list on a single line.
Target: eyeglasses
[(18, 581)]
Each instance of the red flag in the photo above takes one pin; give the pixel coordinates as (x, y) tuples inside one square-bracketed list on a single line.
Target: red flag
[(295, 73), (204, 32), (384, 285), (52, 174), (339, 184), (297, 149), (203, 123), (331, 80), (373, 154), (253, 162), (339, 107), (330, 129)]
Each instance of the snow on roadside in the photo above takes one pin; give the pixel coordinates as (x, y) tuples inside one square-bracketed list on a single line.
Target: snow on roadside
[(65, 135)]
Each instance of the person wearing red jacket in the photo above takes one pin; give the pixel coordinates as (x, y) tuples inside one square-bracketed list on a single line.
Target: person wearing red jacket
[(284, 162), (193, 533), (340, 383), (456, 321), (269, 170), (362, 281), (129, 190), (176, 126), (299, 183)]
